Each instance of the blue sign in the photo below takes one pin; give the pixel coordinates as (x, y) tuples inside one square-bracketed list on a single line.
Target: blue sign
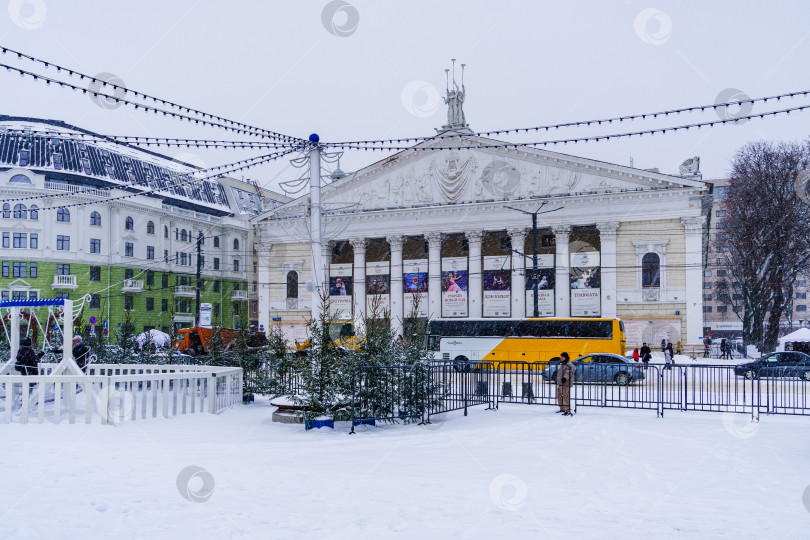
[(238, 326), (92, 319)]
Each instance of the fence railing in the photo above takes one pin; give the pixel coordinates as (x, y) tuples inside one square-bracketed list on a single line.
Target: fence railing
[(114, 393)]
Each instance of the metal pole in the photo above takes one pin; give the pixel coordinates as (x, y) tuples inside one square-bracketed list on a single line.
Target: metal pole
[(318, 270), (534, 264), (199, 279)]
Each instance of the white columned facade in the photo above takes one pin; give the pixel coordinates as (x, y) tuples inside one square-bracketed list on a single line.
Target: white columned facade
[(518, 239), (607, 238), (694, 276), (434, 274), (395, 243), (359, 279), (562, 285), (476, 293), (263, 251)]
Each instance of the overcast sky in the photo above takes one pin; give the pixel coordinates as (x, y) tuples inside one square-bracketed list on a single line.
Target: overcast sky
[(376, 69)]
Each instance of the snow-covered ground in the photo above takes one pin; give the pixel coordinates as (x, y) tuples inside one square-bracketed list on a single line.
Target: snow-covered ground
[(519, 472)]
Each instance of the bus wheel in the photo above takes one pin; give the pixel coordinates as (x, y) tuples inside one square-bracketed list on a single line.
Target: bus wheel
[(461, 363)]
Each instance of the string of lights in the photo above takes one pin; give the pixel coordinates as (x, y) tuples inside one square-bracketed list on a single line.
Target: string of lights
[(148, 108), (595, 138), (249, 162), (52, 136), (587, 123), (141, 95)]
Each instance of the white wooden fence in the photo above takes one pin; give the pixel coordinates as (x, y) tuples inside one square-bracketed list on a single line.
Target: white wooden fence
[(115, 393)]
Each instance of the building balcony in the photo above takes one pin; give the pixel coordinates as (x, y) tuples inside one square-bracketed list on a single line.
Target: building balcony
[(132, 285), (237, 296), (64, 282), (291, 304), (185, 291)]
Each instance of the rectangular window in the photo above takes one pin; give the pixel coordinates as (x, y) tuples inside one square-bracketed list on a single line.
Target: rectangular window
[(216, 286), (215, 311), (95, 273), (62, 269), (737, 309), (801, 307), (33, 241), (164, 280), (801, 296), (150, 304), (721, 273), (6, 268), (129, 301), (20, 240), (4, 296), (19, 269), (18, 295), (62, 243), (129, 273), (95, 245), (236, 265), (707, 284), (165, 255), (724, 298), (33, 268), (256, 269), (254, 305), (801, 283), (236, 308), (721, 249), (720, 237), (150, 252), (6, 239), (706, 273), (182, 259), (183, 280), (95, 301), (216, 263), (707, 298), (150, 278), (722, 309), (62, 296), (720, 225), (32, 295), (737, 297), (129, 249), (707, 309), (164, 305), (720, 192), (720, 213), (721, 261)]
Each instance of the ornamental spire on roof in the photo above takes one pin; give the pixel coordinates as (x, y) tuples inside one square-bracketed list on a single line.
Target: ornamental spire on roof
[(455, 103)]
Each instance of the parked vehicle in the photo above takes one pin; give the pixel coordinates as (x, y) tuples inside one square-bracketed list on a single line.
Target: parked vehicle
[(599, 368), (778, 364), (196, 340)]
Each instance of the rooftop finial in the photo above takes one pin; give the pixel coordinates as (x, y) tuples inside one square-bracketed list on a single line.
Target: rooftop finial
[(455, 101)]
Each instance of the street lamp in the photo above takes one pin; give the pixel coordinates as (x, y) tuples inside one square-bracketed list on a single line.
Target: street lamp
[(534, 243)]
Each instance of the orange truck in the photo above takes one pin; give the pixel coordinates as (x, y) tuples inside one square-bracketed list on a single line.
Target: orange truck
[(196, 340)]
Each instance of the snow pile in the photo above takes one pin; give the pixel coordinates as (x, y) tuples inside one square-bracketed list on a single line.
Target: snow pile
[(519, 472)]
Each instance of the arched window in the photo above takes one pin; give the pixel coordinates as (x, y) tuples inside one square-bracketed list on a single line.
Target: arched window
[(63, 215), (651, 270), (165, 231), (19, 179), (20, 211), (292, 284), (150, 227), (183, 235), (95, 218), (216, 241), (33, 212), (6, 210), (236, 244), (129, 224)]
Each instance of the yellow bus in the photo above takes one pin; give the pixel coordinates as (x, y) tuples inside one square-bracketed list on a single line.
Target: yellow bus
[(463, 341)]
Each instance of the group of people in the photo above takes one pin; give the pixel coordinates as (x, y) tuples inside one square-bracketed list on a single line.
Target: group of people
[(645, 353), (725, 348), (27, 359)]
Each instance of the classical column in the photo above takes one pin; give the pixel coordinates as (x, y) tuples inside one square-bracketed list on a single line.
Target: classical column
[(607, 238), (434, 309), (263, 251), (475, 296), (694, 278), (359, 280), (562, 286), (395, 243), (326, 257), (518, 239)]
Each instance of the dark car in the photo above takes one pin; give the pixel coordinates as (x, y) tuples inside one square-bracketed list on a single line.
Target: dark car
[(778, 364), (601, 367)]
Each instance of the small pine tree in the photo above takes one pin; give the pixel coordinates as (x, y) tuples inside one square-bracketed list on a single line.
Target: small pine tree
[(125, 339)]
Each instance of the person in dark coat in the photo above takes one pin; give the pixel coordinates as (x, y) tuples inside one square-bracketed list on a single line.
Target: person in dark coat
[(26, 362), (663, 344), (723, 348), (564, 378), (646, 353), (81, 352)]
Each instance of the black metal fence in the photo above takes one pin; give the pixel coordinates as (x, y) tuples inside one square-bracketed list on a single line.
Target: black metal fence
[(414, 394)]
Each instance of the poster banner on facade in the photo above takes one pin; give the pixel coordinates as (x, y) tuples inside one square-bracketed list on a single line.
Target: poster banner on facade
[(546, 280), (497, 286), (415, 286), (454, 287), (586, 282), (378, 288), (205, 314), (340, 291)]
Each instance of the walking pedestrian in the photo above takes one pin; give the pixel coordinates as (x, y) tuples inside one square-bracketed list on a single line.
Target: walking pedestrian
[(707, 343), (663, 344), (646, 353), (723, 349), (678, 347), (669, 356), (636, 356), (564, 378), (26, 362)]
